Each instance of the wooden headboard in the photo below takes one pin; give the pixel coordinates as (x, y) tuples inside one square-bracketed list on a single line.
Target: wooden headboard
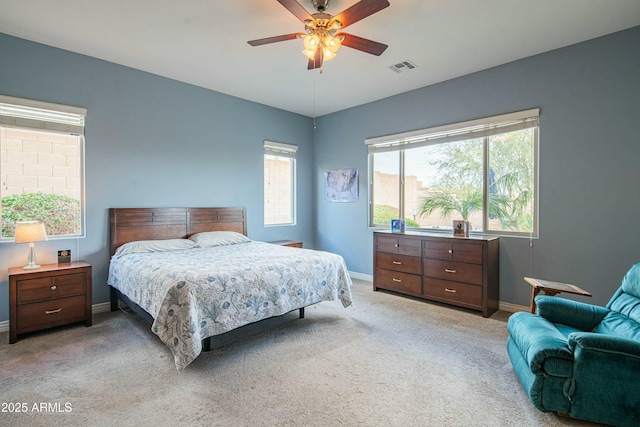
[(130, 224)]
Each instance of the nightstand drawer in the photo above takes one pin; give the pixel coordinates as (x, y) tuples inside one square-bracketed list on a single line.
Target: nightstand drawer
[(454, 291), (31, 290), (450, 270), (403, 263), (51, 313)]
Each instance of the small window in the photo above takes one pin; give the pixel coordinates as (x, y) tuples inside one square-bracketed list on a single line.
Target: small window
[(42, 166), (279, 183), (483, 171)]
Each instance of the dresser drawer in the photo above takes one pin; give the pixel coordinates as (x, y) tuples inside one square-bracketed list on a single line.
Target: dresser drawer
[(451, 270), (46, 314), (31, 290), (403, 263), (453, 291), (401, 282), (397, 245), (454, 251)]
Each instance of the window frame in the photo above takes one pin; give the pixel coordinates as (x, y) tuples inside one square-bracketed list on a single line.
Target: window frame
[(283, 151), (46, 117), (485, 128)]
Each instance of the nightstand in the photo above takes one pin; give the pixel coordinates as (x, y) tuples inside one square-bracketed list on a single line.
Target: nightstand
[(290, 243), (54, 295)]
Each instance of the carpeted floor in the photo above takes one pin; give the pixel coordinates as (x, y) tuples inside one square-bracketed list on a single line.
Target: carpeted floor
[(386, 361)]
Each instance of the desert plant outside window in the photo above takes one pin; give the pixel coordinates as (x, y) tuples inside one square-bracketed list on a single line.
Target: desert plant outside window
[(484, 171), (279, 183), (42, 166)]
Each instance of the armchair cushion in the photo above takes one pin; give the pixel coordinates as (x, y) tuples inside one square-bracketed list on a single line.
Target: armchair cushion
[(619, 325)]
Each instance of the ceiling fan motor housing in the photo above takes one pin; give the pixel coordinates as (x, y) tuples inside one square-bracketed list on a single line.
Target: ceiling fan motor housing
[(320, 5)]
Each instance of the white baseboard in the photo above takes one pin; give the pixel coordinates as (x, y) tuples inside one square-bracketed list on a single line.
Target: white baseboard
[(361, 276), (103, 307), (106, 306), (511, 308)]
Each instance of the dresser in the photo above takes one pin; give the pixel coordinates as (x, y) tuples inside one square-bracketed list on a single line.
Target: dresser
[(50, 296), (461, 271)]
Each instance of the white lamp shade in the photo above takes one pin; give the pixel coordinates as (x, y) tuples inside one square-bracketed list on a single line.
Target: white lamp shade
[(29, 232)]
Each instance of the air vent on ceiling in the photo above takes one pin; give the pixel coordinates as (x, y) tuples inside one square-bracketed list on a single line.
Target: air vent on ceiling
[(403, 66)]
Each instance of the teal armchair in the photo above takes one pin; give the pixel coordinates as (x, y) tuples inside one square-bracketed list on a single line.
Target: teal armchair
[(582, 360)]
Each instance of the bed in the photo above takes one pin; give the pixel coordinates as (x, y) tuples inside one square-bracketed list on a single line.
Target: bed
[(193, 274)]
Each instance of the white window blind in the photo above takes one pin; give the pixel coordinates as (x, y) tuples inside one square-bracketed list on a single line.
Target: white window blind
[(280, 149), (45, 116), (455, 132)]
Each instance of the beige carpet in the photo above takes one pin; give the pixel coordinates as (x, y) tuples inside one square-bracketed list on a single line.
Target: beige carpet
[(386, 361)]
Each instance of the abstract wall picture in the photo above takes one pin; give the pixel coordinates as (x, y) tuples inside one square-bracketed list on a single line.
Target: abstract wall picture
[(341, 185)]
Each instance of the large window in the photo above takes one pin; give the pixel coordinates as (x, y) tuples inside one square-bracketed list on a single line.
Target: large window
[(41, 166), (279, 183), (483, 171)]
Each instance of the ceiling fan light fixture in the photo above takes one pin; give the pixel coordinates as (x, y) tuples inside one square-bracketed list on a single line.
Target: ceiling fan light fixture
[(334, 25), (320, 37), (333, 43), (328, 55), (311, 41), (309, 53)]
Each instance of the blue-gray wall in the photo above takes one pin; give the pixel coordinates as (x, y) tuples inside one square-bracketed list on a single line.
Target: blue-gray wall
[(589, 96), (153, 141)]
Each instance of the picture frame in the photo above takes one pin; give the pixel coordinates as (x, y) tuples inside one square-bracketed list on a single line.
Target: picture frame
[(64, 256), (460, 228), (341, 185), (397, 225)]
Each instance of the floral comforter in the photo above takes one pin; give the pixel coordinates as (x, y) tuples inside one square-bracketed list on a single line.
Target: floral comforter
[(196, 293)]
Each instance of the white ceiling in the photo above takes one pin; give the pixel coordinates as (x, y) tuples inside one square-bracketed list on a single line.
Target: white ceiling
[(204, 42)]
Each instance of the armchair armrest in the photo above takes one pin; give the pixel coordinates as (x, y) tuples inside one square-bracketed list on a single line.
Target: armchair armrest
[(576, 314), (604, 343)]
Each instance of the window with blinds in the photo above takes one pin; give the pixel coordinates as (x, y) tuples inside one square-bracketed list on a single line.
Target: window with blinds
[(483, 171), (42, 166), (279, 183)]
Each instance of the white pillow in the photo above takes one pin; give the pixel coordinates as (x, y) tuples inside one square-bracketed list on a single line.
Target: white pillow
[(154, 246), (218, 238)]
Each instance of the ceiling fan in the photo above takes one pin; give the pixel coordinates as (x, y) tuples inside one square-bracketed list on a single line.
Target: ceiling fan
[(321, 38)]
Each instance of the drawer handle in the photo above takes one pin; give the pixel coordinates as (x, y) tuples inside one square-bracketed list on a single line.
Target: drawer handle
[(397, 245), (453, 291), (54, 287), (449, 270), (53, 311), (396, 280), (450, 251), (397, 262)]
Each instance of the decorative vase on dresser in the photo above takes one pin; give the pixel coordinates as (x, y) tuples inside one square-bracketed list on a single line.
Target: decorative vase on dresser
[(461, 271)]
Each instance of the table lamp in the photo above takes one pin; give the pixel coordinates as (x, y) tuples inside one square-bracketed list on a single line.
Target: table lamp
[(30, 232)]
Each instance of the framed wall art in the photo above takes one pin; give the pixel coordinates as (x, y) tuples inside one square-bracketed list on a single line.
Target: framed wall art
[(341, 185)]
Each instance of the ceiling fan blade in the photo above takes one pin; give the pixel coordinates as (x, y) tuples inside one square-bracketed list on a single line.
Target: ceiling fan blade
[(316, 62), (274, 39), (359, 11), (296, 9), (365, 45)]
